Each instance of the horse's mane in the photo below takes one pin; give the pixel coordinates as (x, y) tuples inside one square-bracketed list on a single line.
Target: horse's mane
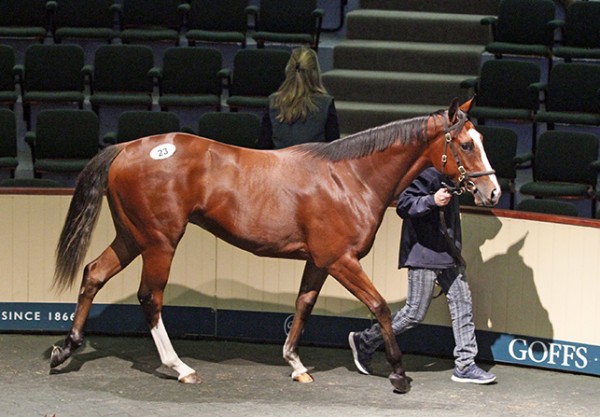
[(372, 140)]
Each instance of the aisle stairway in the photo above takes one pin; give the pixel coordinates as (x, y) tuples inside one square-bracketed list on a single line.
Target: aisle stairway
[(404, 58)]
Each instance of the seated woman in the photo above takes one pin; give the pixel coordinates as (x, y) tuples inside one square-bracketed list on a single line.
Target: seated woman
[(301, 110)]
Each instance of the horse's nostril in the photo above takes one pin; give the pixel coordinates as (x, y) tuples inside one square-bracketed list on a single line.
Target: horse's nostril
[(495, 196)]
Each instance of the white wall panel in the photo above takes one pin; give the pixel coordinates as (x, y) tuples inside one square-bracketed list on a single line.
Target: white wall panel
[(527, 277)]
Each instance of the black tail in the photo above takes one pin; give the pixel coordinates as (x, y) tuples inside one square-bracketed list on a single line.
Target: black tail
[(82, 216)]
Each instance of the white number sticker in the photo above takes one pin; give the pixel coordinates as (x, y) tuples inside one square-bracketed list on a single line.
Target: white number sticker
[(163, 151)]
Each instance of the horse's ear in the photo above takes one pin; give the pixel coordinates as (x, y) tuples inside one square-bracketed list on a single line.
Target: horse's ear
[(466, 106), (453, 111)]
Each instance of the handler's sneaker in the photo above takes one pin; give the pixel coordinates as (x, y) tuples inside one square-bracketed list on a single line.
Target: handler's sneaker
[(361, 359), (473, 374)]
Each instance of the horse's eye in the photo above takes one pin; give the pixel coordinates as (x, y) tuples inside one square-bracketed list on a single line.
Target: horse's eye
[(467, 146)]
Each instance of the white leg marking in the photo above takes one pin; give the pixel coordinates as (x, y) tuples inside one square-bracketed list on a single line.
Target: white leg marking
[(294, 360), (167, 354)]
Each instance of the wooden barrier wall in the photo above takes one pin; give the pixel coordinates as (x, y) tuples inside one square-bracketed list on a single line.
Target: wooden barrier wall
[(533, 281)]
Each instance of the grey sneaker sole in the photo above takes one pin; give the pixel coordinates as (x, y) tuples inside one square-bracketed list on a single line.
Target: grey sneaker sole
[(473, 381), (354, 349)]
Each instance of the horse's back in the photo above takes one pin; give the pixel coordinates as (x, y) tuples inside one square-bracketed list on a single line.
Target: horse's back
[(167, 149), (175, 155), (251, 198)]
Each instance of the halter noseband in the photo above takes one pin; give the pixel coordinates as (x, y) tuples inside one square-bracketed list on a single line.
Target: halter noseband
[(464, 182)]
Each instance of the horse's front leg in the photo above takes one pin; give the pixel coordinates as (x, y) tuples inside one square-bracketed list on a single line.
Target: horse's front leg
[(348, 271), (95, 275), (312, 282), (155, 274)]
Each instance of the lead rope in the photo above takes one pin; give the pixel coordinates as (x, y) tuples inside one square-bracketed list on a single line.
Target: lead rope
[(452, 246), (456, 190)]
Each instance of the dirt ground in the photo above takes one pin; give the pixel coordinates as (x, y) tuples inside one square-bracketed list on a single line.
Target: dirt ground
[(122, 376)]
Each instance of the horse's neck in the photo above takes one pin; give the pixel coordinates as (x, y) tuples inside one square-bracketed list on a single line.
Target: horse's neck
[(389, 172)]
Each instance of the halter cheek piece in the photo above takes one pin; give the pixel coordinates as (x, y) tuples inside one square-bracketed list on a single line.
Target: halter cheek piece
[(464, 182)]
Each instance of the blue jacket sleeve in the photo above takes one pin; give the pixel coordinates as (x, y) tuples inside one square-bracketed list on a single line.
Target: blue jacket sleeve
[(417, 200)]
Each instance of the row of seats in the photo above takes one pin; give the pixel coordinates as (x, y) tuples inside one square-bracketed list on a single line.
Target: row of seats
[(528, 27), (565, 166), (297, 21), (64, 140), (191, 77), (513, 87), (571, 94)]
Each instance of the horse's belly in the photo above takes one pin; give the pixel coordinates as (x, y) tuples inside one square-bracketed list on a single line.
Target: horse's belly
[(254, 238)]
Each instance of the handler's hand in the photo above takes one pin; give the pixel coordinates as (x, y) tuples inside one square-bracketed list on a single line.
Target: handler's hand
[(442, 197)]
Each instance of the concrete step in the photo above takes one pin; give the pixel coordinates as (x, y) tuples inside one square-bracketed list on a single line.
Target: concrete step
[(393, 87), (407, 57), (416, 27), (488, 7)]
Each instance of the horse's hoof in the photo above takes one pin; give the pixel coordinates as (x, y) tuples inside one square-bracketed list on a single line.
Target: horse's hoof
[(192, 378), (57, 357), (400, 382), (304, 378)]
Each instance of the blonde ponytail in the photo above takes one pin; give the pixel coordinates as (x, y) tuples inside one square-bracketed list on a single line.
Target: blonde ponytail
[(302, 82)]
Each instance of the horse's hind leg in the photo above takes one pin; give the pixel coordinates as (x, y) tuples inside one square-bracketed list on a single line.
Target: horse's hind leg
[(312, 282), (95, 275), (350, 274), (155, 273)]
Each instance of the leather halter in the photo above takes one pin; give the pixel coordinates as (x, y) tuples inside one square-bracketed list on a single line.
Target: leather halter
[(464, 182)]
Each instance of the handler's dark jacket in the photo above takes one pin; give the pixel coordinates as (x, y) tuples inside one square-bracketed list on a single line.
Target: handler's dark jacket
[(423, 244), (321, 126)]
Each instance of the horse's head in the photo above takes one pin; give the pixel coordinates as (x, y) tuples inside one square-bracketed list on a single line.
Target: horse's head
[(457, 151)]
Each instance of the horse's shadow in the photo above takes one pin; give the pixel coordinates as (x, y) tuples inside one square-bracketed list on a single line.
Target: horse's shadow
[(141, 353), (138, 350)]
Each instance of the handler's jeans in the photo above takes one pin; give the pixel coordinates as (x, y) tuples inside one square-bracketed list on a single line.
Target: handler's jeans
[(421, 284)]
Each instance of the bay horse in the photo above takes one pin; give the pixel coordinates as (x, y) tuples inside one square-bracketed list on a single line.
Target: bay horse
[(318, 202)]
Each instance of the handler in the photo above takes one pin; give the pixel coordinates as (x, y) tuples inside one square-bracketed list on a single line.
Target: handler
[(430, 249)]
